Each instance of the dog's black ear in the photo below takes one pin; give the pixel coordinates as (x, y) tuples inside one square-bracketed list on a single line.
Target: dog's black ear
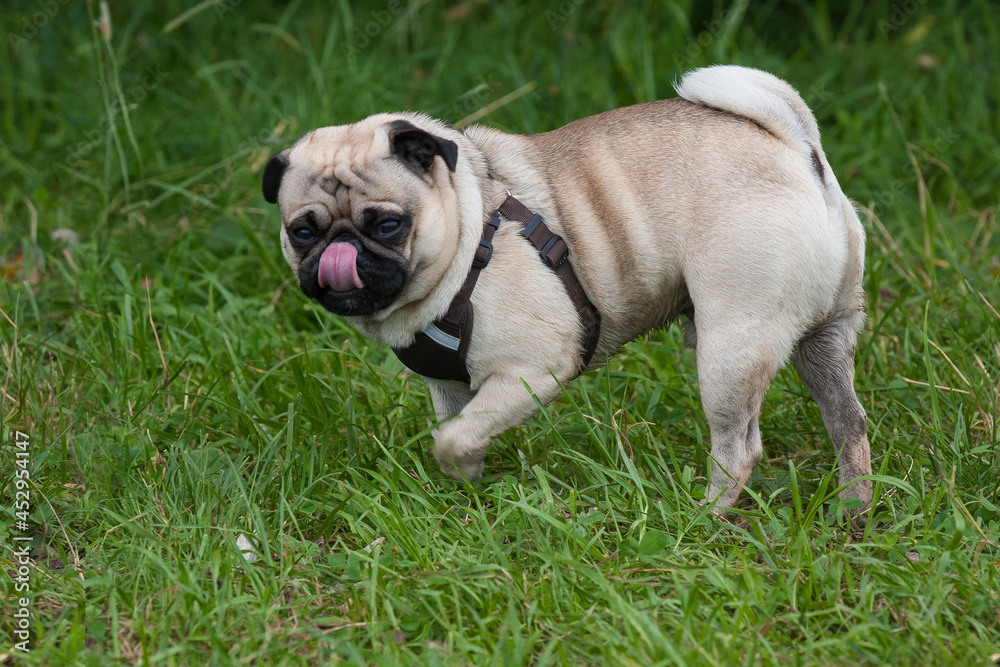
[(417, 147), (273, 172)]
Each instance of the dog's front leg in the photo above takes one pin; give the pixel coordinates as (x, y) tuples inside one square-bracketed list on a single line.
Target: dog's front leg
[(501, 402), (449, 397)]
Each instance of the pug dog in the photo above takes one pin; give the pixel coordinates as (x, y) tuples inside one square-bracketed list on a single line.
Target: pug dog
[(718, 208)]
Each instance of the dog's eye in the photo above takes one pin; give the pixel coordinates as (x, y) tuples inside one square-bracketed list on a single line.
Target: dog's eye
[(387, 227), (303, 234)]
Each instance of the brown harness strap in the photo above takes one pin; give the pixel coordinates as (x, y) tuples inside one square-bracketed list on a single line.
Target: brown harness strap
[(440, 349), (554, 253)]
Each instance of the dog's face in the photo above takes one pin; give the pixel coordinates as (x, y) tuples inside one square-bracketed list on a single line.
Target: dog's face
[(369, 215)]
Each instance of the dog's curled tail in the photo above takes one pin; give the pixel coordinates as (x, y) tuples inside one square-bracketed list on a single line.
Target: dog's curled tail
[(764, 99), (777, 107)]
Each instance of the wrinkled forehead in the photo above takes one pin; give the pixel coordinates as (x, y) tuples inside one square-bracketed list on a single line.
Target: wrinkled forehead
[(332, 166), (344, 152)]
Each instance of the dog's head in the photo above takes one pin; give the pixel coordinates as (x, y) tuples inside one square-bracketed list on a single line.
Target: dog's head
[(370, 212)]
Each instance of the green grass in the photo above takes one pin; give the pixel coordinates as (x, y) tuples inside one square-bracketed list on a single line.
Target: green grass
[(178, 390)]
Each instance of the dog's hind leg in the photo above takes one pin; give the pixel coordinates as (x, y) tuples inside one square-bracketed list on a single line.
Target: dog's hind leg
[(736, 365), (824, 359)]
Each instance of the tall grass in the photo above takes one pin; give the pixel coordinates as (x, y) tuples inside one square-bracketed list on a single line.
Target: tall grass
[(181, 394)]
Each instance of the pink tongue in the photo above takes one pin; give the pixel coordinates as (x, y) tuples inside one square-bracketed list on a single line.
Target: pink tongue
[(338, 268)]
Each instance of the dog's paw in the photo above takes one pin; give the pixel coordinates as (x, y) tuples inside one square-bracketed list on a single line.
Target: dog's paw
[(724, 495), (457, 458), (459, 470), (859, 490)]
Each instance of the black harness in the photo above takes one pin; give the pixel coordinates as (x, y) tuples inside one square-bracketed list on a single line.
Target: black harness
[(439, 350)]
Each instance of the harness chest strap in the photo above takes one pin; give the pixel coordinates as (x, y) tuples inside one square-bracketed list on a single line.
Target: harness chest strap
[(439, 351)]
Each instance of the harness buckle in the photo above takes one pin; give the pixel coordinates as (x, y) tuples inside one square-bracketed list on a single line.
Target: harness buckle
[(558, 249), (531, 226), (483, 254)]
